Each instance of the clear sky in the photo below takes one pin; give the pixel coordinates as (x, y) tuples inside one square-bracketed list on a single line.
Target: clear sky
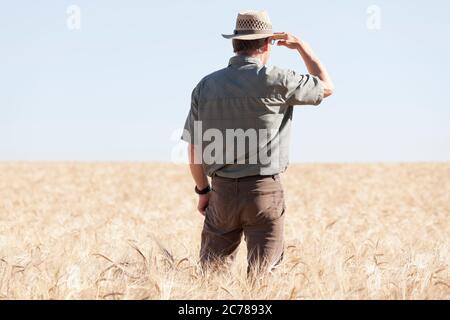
[(119, 87)]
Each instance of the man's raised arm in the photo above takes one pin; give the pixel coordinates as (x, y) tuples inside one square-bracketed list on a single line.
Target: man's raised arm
[(313, 64)]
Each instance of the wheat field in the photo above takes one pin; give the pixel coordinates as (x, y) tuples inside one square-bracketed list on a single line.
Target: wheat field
[(130, 231)]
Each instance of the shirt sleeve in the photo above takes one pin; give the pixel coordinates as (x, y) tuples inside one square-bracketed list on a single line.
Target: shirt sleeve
[(192, 118), (303, 89)]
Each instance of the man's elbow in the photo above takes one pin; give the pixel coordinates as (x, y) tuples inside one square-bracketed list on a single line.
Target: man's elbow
[(328, 90), (194, 154), (191, 153)]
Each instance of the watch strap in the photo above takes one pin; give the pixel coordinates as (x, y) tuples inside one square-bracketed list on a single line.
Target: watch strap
[(203, 191)]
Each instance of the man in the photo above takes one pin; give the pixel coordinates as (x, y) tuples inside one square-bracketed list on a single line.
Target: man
[(238, 131)]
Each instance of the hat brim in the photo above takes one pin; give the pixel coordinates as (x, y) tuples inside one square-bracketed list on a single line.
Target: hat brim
[(253, 36)]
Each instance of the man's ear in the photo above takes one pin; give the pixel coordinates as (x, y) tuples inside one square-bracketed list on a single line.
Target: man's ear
[(266, 45)]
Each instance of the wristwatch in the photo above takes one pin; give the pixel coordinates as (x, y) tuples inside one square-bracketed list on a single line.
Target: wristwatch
[(204, 191)]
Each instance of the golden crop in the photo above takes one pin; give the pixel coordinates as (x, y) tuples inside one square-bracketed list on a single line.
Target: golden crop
[(130, 231)]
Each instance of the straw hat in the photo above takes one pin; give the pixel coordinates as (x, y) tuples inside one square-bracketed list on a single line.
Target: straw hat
[(251, 25)]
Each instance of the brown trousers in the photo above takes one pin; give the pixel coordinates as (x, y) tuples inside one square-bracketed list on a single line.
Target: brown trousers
[(253, 206)]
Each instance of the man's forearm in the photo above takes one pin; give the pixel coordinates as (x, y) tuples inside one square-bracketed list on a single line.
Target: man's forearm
[(197, 171), (315, 67), (199, 176)]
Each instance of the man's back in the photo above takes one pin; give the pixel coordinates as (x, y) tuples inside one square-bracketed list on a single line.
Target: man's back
[(245, 113)]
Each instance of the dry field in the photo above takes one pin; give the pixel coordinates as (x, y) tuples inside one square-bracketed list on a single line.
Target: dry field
[(130, 231)]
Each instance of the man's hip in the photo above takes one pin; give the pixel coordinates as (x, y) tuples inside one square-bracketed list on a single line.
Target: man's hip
[(253, 206), (247, 201)]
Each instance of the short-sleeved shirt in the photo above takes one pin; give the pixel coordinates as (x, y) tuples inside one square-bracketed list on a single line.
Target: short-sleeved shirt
[(240, 117)]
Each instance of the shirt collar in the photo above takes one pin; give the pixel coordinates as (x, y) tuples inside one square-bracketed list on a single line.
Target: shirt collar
[(241, 60)]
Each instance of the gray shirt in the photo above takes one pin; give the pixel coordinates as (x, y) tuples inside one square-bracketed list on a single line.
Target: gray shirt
[(240, 117)]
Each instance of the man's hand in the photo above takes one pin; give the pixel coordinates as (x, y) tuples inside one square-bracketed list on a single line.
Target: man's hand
[(203, 201), (287, 40)]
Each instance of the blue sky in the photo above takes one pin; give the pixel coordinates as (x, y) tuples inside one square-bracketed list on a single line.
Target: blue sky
[(118, 88)]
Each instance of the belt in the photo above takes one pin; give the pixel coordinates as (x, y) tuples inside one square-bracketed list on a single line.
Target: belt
[(246, 178)]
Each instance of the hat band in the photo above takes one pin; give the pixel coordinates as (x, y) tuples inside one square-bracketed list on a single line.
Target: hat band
[(245, 32)]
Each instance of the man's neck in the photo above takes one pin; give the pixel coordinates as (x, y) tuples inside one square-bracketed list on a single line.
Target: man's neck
[(258, 56)]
